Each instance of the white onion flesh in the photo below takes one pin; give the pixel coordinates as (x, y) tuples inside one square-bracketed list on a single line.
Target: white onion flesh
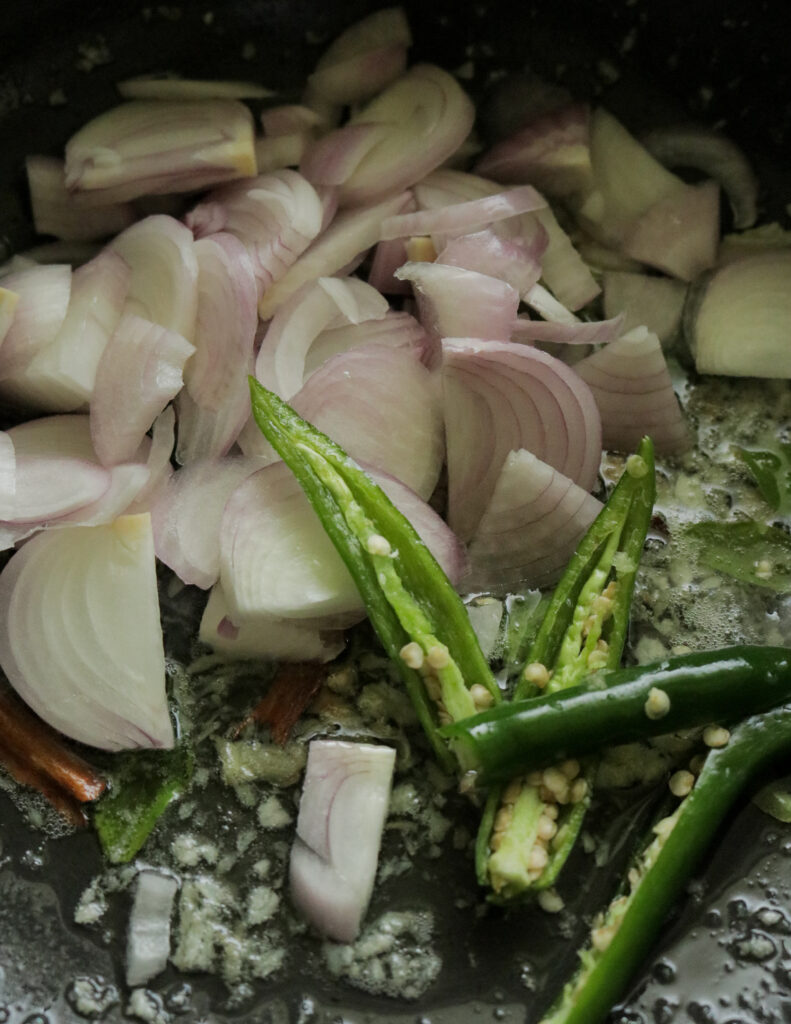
[(56, 212), (325, 304), (631, 383), (159, 87), (387, 258), (461, 218), (408, 130), (276, 215), (645, 300), (339, 831), (265, 636), (592, 332), (453, 302), (80, 637), (547, 306), (500, 397), (563, 270), (153, 147), (148, 937), (42, 300), (215, 402), (349, 235), (530, 528), (139, 372)]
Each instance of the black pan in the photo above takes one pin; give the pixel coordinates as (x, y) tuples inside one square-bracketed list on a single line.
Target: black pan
[(722, 64)]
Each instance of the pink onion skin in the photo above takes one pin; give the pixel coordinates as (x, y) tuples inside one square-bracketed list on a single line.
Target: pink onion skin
[(530, 528), (500, 397), (43, 298), (512, 260), (339, 830), (215, 401), (387, 258), (139, 372), (631, 383), (461, 218), (157, 452), (55, 211)]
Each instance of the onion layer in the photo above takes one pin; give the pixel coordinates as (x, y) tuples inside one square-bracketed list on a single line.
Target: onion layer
[(56, 212), (148, 939), (42, 300)]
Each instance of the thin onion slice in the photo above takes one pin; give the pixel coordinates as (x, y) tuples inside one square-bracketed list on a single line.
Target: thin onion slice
[(56, 212), (509, 259), (530, 528), (339, 830), (631, 383), (148, 938), (157, 452), (139, 372), (394, 330), (42, 300), (155, 147), (80, 638), (265, 636), (591, 332), (501, 397), (161, 87), (461, 218), (563, 270), (48, 487)]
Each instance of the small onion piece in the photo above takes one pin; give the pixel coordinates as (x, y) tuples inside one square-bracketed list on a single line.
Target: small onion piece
[(645, 300), (509, 259), (339, 830), (461, 218), (148, 938), (398, 138), (547, 306), (56, 212), (215, 402), (631, 383), (42, 300), (161, 87), (265, 636), (348, 236), (280, 151), (80, 637), (530, 528), (154, 147), (501, 397), (139, 372), (563, 270), (322, 305), (591, 332), (163, 286)]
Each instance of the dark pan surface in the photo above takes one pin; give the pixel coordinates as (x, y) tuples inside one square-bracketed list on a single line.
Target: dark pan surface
[(722, 64)]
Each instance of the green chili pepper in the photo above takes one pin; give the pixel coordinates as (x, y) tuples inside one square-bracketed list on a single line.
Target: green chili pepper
[(528, 827), (414, 609), (626, 705), (623, 935)]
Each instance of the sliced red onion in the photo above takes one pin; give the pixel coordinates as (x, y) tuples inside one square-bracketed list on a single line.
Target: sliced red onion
[(460, 218), (160, 87), (290, 119), (276, 215), (43, 298), (215, 402), (592, 332), (501, 397), (388, 257), (680, 233), (265, 636), (139, 372), (280, 151), (547, 306), (552, 152), (631, 383), (154, 147), (348, 236), (425, 116), (49, 487), (382, 406), (164, 284), (394, 330), (364, 59), (322, 305), (55, 211), (563, 270), (511, 260), (645, 301), (148, 938), (339, 830), (80, 638), (453, 301), (157, 453), (188, 543), (717, 157), (56, 437), (126, 482), (530, 528)]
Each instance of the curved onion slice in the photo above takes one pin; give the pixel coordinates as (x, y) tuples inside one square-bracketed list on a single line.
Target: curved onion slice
[(453, 302), (154, 147), (148, 940), (139, 372), (322, 305), (276, 558), (363, 59), (510, 260), (501, 397), (159, 87), (563, 270), (265, 636), (215, 402), (717, 157), (49, 487), (398, 138), (187, 542), (80, 639), (645, 300), (276, 215), (43, 298), (339, 830), (394, 330), (157, 453), (591, 332), (164, 284), (387, 258), (460, 218), (631, 383), (382, 406), (531, 526), (349, 235), (56, 212)]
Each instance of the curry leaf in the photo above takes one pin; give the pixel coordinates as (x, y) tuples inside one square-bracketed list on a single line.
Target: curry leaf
[(748, 551)]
